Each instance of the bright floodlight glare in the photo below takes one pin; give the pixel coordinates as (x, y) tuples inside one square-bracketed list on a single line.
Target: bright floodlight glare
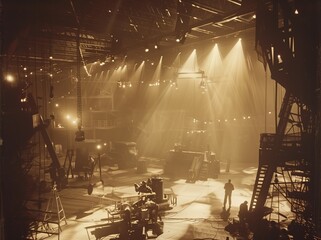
[(9, 78), (98, 146)]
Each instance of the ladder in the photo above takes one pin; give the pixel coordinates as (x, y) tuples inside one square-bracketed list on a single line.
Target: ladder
[(275, 193), (41, 125), (54, 207)]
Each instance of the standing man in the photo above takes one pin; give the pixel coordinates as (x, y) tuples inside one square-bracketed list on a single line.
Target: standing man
[(229, 187)]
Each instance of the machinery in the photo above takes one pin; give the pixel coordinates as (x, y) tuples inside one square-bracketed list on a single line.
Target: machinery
[(138, 220), (124, 154), (192, 165)]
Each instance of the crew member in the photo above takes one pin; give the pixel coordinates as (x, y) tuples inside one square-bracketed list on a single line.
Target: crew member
[(228, 187)]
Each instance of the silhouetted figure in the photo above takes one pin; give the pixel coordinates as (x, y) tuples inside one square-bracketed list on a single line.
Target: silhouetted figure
[(143, 188), (276, 180), (261, 230), (243, 212), (274, 232), (296, 230), (229, 187)]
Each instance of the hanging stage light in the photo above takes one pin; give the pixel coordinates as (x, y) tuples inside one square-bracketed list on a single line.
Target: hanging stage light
[(79, 136), (181, 37)]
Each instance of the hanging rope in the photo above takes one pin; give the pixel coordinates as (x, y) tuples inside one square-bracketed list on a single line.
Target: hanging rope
[(79, 103), (265, 102), (276, 106)]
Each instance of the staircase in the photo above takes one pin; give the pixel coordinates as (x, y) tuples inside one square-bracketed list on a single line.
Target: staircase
[(261, 173), (199, 170), (285, 49), (269, 158), (203, 172)]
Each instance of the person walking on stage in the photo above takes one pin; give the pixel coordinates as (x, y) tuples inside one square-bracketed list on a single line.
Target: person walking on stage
[(228, 187)]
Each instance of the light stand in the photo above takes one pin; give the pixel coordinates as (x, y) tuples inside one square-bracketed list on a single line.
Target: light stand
[(100, 183)]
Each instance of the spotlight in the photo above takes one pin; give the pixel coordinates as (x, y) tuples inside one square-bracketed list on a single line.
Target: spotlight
[(146, 49), (156, 46), (10, 78), (181, 37)]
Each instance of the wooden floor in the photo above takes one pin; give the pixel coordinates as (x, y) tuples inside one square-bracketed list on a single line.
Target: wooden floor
[(197, 214)]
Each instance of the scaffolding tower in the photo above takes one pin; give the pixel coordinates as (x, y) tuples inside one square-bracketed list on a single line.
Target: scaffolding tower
[(287, 46)]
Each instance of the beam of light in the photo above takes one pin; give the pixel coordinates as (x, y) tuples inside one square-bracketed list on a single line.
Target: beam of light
[(191, 64), (95, 87), (231, 94), (114, 77), (177, 61), (212, 64), (213, 67), (124, 72), (237, 94), (163, 125), (157, 74), (107, 85), (136, 75)]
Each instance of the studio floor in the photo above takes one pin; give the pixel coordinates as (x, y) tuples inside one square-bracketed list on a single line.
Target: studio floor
[(197, 213)]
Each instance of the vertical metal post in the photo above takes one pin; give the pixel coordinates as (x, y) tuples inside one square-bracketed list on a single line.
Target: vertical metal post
[(317, 160), (2, 234), (79, 103)]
